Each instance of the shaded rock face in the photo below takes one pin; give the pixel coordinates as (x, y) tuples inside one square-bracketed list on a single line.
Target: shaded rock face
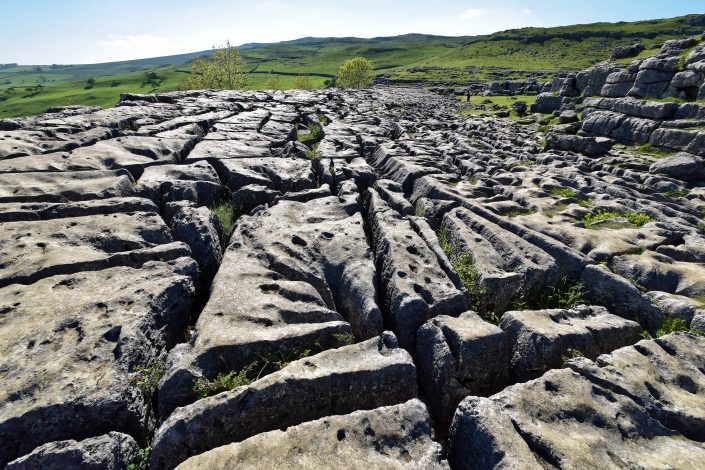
[(573, 418), (351, 278), (112, 451), (394, 437)]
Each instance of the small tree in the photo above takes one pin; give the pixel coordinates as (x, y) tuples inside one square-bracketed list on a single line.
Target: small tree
[(303, 82), (273, 83), (224, 70), (152, 80), (355, 73), (90, 83)]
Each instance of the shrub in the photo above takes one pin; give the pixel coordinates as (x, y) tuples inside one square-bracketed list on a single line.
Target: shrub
[(355, 73), (303, 82), (224, 382), (90, 83), (224, 70), (147, 378)]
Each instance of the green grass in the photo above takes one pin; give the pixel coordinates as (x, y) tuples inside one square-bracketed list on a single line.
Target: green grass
[(565, 294), (649, 149), (569, 193), (571, 353), (141, 460), (224, 382), (636, 219), (457, 60), (672, 325), (228, 215), (676, 193), (268, 363), (464, 265), (515, 212)]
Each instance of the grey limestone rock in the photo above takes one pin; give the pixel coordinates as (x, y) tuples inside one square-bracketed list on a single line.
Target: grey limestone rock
[(391, 437)]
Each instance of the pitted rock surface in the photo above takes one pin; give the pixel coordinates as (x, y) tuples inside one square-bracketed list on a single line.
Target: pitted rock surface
[(357, 279)]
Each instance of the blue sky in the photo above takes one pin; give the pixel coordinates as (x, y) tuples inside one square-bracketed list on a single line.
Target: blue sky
[(88, 31)]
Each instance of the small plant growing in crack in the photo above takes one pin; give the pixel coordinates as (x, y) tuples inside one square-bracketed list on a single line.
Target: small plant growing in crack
[(141, 460), (228, 215), (571, 353), (147, 378), (270, 362), (464, 265)]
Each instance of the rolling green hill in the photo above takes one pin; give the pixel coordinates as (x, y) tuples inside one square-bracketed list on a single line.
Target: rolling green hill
[(412, 57)]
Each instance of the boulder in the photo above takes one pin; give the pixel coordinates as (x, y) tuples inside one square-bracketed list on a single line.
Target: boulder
[(581, 144), (546, 103), (391, 437), (625, 52), (682, 166)]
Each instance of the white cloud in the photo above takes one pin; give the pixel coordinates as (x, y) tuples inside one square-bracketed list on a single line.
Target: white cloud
[(473, 13), (526, 11), (139, 40)]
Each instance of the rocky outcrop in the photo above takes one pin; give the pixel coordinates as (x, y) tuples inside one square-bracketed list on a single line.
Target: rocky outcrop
[(211, 273)]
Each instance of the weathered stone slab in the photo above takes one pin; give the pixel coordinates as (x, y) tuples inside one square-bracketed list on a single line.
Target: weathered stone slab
[(457, 357), (505, 263), (362, 376), (69, 344), (214, 150), (415, 285), (112, 451), (664, 376), (31, 250), (540, 339), (18, 211), (251, 311), (197, 182), (391, 437), (132, 153), (281, 174), (65, 186), (568, 422)]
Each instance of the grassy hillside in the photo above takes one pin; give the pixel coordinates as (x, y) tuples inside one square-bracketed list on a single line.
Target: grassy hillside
[(412, 57)]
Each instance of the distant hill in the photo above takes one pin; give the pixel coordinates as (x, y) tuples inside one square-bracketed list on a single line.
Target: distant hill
[(417, 58)]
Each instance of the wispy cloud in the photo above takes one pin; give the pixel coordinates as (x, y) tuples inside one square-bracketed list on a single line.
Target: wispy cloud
[(473, 13), (138, 40)]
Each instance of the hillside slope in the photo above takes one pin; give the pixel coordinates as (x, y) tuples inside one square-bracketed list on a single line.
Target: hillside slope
[(413, 57)]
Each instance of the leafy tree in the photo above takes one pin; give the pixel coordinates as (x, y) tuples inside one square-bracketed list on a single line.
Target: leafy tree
[(90, 83), (224, 70), (152, 80), (330, 83), (355, 73), (303, 82)]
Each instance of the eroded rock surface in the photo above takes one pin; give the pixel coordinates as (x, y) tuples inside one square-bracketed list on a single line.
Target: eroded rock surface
[(265, 278)]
